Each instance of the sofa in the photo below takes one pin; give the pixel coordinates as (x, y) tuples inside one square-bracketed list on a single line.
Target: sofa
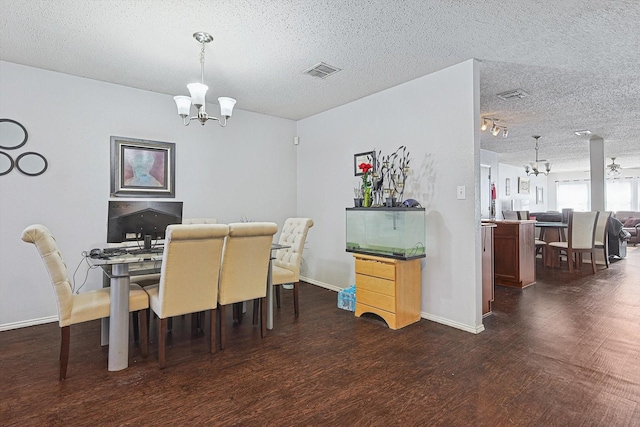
[(631, 224)]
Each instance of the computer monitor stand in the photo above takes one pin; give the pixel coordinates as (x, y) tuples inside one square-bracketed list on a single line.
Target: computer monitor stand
[(147, 241)]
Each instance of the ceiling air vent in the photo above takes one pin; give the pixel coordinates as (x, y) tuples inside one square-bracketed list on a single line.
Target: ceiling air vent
[(513, 94), (321, 70), (582, 132)]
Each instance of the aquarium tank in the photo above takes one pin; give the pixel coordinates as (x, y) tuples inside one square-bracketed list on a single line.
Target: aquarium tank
[(388, 232)]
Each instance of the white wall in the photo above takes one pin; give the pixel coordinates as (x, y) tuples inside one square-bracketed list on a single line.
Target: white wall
[(526, 201), (436, 117), (246, 169)]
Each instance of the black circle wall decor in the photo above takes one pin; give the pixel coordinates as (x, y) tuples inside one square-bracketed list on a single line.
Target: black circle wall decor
[(31, 164), (6, 163), (12, 134)]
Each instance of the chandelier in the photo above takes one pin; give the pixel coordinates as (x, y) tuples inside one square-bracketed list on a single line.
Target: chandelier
[(495, 128), (198, 92), (614, 169), (534, 165)]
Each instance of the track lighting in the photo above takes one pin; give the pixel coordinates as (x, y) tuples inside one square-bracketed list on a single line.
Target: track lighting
[(495, 128)]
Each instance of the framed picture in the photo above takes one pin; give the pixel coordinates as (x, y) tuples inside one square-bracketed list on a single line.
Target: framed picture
[(539, 196), (358, 159), (141, 168), (523, 185), (507, 187)]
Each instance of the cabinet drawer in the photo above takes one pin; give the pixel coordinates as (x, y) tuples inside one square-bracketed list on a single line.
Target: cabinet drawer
[(375, 284), (376, 268), (374, 299)]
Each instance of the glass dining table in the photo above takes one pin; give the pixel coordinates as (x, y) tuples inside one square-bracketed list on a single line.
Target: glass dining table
[(118, 267)]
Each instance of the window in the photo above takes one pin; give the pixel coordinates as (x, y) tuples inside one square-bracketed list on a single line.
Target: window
[(619, 196), (574, 194)]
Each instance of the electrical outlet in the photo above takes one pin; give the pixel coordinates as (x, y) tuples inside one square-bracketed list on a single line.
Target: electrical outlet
[(461, 192)]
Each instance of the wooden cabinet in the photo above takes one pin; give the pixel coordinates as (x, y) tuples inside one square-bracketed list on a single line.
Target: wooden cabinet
[(389, 288), (514, 252), (487, 268)]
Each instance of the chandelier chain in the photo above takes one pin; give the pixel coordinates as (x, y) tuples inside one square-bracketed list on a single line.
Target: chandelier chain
[(202, 64)]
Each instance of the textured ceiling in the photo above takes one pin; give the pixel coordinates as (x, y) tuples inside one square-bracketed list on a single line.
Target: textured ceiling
[(578, 59)]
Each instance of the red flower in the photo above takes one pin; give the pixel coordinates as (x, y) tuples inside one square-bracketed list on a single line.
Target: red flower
[(364, 167)]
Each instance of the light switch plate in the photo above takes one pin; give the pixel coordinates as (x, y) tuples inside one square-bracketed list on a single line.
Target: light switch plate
[(461, 192)]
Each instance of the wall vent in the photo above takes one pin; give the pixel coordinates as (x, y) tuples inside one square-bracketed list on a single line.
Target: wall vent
[(582, 132), (513, 94), (321, 70)]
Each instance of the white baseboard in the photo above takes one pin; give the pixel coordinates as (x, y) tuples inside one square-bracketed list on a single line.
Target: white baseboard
[(27, 323), (453, 324), (321, 284), (424, 315)]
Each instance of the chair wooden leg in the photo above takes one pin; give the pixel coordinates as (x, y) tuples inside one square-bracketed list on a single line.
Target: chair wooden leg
[(570, 261), (256, 311), (593, 261), (221, 325), (605, 253), (162, 337), (144, 333), (169, 323), (277, 289), (64, 350), (295, 298), (212, 331), (136, 330), (263, 317)]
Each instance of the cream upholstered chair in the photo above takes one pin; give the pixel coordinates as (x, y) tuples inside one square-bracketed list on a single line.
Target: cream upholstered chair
[(581, 230), (602, 230), (286, 266), (188, 276), (78, 308), (199, 221), (153, 278), (245, 263)]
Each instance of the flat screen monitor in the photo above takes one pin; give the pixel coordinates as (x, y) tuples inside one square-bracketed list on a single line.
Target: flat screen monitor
[(131, 221)]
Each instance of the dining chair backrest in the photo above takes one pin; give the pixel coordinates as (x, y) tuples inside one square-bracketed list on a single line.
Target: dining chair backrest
[(582, 229), (190, 268), (293, 234), (510, 215), (523, 214), (199, 221), (46, 245), (245, 261), (602, 227), (565, 214)]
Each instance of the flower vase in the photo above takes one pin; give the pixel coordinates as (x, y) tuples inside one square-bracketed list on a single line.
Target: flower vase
[(367, 198)]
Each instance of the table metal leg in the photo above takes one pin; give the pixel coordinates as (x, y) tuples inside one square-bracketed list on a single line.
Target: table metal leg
[(119, 318), (269, 299)]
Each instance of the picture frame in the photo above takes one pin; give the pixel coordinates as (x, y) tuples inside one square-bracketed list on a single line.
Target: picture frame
[(539, 195), (523, 185), (507, 187), (142, 168), (366, 157)]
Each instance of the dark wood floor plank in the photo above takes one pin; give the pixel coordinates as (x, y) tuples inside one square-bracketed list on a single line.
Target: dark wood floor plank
[(563, 352)]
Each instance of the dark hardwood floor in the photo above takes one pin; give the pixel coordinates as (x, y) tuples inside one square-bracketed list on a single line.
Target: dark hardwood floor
[(563, 352)]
